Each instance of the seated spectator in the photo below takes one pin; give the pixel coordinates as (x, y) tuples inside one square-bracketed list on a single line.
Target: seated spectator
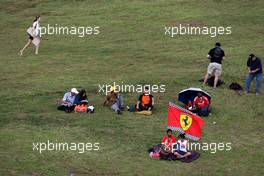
[(145, 101), (81, 102), (168, 142), (68, 101), (115, 100), (201, 104), (81, 98), (189, 106), (182, 147)]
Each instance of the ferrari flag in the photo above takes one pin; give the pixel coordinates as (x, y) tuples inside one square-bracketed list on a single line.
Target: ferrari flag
[(184, 121)]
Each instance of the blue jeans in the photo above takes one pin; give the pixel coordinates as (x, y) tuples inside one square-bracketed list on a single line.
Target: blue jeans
[(250, 78), (118, 104)]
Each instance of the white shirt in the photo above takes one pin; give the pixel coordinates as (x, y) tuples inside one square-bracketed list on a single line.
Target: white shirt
[(36, 27), (68, 98), (182, 145)]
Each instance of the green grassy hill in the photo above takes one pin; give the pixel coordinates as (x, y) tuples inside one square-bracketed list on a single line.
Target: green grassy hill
[(131, 48)]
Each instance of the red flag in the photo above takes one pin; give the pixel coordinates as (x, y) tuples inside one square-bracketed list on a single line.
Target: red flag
[(182, 120)]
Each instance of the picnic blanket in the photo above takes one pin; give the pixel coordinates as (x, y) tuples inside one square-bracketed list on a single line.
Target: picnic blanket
[(144, 112), (192, 157), (171, 157)]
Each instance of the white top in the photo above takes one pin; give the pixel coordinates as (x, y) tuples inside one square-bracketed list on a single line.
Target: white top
[(36, 27), (68, 98), (182, 145)]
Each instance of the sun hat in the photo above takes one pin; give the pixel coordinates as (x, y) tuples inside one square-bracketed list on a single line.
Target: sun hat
[(74, 90)]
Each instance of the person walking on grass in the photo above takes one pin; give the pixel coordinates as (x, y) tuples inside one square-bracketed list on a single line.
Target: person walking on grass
[(216, 55), (33, 33), (254, 70)]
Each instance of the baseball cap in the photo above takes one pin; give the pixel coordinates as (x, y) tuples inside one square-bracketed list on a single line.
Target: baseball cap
[(74, 90)]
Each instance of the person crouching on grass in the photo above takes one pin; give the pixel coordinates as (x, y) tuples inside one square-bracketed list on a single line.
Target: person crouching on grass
[(115, 100), (68, 101), (33, 33), (254, 70)]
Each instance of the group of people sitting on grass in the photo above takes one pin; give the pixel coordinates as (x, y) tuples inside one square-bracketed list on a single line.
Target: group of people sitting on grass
[(78, 102), (176, 147), (171, 148), (144, 104), (75, 100)]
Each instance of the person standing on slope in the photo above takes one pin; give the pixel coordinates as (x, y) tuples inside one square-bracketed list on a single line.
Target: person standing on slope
[(216, 55)]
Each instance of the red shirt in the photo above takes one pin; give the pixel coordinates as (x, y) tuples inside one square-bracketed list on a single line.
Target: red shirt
[(168, 142), (201, 102)]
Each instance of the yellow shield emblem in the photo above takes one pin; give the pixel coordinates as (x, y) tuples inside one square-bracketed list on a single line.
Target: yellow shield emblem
[(185, 121)]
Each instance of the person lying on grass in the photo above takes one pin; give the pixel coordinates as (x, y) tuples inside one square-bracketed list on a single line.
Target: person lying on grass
[(201, 104), (114, 100), (67, 103), (145, 101), (181, 147)]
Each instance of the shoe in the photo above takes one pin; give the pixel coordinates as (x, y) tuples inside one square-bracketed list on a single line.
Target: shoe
[(257, 94), (246, 92), (119, 112), (128, 108)]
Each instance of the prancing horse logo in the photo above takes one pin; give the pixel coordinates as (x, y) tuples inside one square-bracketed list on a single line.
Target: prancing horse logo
[(185, 121)]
